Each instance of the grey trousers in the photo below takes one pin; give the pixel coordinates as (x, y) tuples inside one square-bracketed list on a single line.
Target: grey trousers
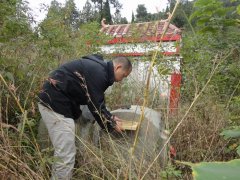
[(62, 134)]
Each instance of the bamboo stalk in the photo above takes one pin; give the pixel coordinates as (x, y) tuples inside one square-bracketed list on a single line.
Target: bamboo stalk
[(146, 92)]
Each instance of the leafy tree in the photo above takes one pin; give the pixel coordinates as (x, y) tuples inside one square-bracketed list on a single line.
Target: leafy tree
[(124, 20), (118, 19), (167, 9), (99, 5), (71, 15), (116, 4), (106, 12), (133, 18), (141, 13), (157, 16), (87, 14), (215, 16), (171, 5), (182, 14), (14, 19), (54, 9), (180, 18), (143, 16), (53, 28)]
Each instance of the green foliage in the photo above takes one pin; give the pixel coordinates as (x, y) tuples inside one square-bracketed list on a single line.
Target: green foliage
[(141, 13), (27, 60), (14, 20), (71, 15), (124, 21), (184, 10), (170, 172), (179, 19), (212, 16), (202, 52), (216, 170), (238, 9), (102, 8), (106, 12), (234, 133), (238, 150), (87, 14), (53, 27), (133, 18), (144, 16), (88, 39)]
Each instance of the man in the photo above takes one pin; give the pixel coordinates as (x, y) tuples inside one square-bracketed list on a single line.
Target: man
[(80, 82)]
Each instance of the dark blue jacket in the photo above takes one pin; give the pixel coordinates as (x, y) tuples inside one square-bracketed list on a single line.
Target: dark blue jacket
[(80, 82)]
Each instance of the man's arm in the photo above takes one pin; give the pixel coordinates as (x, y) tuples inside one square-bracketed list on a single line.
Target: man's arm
[(103, 117)]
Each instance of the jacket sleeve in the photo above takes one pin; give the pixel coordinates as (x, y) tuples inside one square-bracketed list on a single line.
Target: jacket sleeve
[(96, 104)]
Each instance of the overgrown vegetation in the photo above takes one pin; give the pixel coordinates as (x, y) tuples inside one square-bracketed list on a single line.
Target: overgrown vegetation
[(210, 93)]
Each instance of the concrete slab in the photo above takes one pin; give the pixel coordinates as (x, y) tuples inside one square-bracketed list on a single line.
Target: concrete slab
[(149, 140)]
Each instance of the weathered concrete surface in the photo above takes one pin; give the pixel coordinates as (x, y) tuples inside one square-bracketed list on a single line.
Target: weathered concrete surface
[(150, 139), (87, 130)]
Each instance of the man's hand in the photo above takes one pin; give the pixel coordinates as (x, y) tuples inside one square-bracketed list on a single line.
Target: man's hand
[(118, 126)]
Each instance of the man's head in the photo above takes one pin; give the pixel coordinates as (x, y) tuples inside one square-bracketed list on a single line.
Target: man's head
[(122, 68)]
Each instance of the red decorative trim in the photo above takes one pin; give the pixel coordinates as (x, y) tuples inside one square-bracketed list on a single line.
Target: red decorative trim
[(118, 40), (170, 53), (144, 54), (129, 54), (175, 92)]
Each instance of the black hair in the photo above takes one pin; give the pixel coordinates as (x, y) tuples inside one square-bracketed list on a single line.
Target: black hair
[(124, 61)]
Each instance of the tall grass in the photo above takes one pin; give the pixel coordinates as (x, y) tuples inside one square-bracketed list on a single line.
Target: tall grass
[(194, 131)]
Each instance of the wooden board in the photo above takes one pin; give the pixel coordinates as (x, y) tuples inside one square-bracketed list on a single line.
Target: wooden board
[(129, 125)]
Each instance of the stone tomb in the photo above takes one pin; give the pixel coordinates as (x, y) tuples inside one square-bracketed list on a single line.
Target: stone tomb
[(150, 139)]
